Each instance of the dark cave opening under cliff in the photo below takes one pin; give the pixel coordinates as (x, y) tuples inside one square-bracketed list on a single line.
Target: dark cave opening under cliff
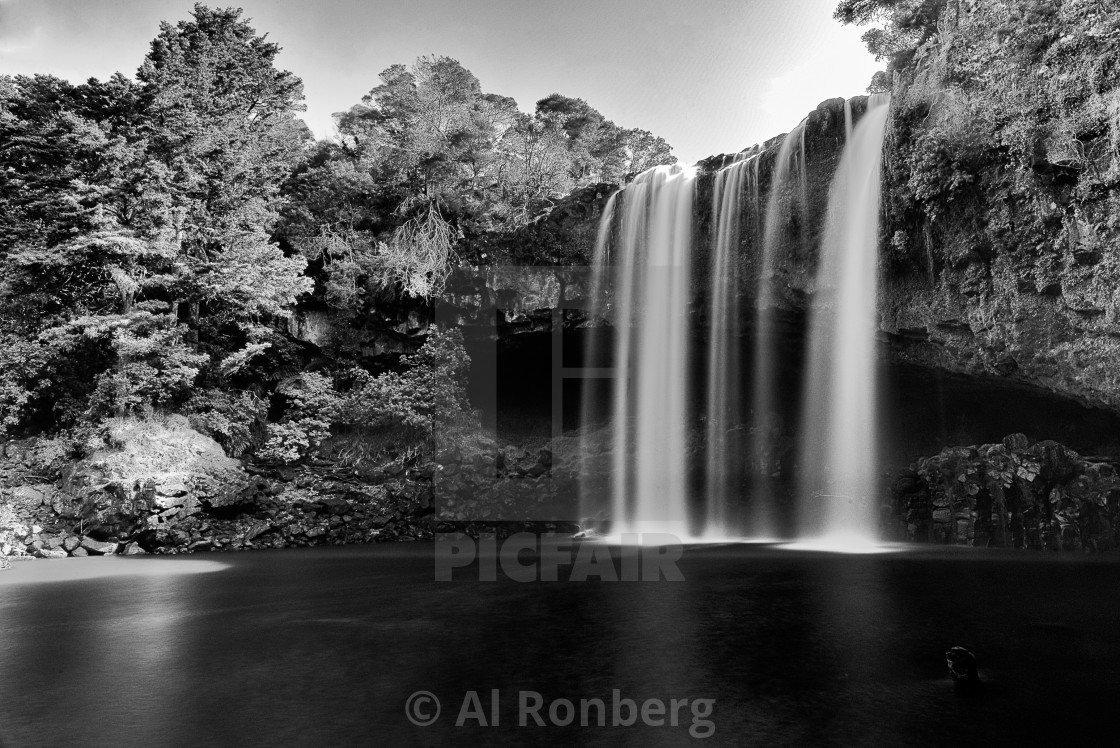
[(922, 410)]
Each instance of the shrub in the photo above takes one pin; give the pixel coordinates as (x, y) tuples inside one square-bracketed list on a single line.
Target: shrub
[(311, 400), (396, 412), (236, 420), (153, 367), (416, 260), (431, 390)]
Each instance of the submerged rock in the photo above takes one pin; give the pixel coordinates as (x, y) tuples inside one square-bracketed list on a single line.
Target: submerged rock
[(962, 665)]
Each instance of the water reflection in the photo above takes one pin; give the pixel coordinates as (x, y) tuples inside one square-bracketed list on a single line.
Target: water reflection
[(72, 569), (81, 630), (324, 647)]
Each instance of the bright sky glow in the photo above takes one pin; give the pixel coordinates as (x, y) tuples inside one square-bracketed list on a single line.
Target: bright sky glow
[(709, 76)]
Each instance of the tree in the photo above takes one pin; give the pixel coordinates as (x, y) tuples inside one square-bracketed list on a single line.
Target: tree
[(219, 118), (537, 165), (428, 126), (65, 254), (428, 162), (136, 222), (906, 24), (429, 135), (600, 150)]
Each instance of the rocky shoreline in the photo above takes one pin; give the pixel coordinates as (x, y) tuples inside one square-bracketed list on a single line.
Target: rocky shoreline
[(1017, 494), (219, 504), (311, 508)]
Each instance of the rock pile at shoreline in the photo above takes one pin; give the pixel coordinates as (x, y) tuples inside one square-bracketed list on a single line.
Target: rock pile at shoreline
[(1015, 494)]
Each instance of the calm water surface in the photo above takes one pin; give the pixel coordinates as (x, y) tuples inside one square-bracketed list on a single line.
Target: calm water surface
[(325, 646)]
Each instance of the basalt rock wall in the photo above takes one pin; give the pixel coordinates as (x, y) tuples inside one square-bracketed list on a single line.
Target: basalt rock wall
[(1001, 241)]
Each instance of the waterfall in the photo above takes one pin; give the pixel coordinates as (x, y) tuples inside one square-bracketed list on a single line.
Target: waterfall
[(594, 477), (648, 275), (779, 210), (839, 452), (724, 444), (638, 476)]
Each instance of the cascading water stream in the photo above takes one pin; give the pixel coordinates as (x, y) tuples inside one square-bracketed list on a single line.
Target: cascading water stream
[(594, 488), (779, 209), (724, 445), (643, 266), (648, 273), (839, 450)]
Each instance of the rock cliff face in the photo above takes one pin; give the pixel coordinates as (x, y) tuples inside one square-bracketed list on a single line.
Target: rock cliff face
[(1001, 233)]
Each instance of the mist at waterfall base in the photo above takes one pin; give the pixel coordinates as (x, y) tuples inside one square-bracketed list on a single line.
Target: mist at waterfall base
[(646, 257)]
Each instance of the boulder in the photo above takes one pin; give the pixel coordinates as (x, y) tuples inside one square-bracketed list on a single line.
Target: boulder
[(133, 549), (256, 528), (333, 505), (172, 489), (151, 466), (962, 666), (98, 547), (33, 495)]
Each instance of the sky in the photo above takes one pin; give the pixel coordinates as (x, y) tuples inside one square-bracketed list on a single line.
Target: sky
[(709, 76)]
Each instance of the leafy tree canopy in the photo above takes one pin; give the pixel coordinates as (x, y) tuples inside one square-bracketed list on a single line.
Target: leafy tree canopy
[(156, 233), (136, 222)]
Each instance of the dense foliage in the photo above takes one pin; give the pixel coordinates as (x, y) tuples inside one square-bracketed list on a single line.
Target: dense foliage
[(1006, 122), (427, 141), (158, 233), (137, 255)]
